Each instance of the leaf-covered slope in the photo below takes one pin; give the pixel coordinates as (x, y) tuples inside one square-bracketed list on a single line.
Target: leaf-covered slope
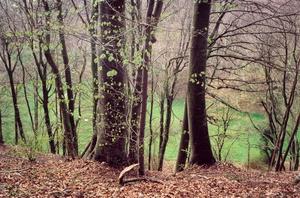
[(53, 176)]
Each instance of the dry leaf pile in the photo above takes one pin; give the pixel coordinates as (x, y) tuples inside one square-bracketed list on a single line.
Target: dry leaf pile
[(53, 176)]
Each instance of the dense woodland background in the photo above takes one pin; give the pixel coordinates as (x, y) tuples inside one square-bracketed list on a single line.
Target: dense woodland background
[(139, 81)]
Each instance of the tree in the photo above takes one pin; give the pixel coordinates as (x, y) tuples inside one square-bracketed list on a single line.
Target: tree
[(68, 75), (68, 132), (91, 24), (184, 143), (112, 129), (201, 152), (152, 17), (9, 49)]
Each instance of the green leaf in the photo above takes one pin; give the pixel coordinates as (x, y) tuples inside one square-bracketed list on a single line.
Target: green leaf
[(112, 73)]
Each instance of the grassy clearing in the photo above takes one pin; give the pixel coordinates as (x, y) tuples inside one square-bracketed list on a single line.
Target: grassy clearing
[(240, 129)]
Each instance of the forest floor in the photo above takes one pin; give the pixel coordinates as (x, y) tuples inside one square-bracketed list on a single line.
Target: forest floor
[(54, 176)]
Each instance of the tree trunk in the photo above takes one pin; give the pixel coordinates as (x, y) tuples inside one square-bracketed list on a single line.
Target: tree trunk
[(42, 72), (137, 81), (166, 132), (111, 132), (94, 61), (1, 132), (36, 102), (68, 76), (184, 143), (152, 18), (151, 120), (45, 103), (161, 119), (135, 118), (68, 133), (26, 97), (18, 121), (200, 143)]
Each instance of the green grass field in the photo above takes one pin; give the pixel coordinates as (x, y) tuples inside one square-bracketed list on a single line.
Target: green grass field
[(240, 130)]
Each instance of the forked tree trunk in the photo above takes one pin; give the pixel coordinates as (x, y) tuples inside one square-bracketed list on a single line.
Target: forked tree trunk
[(197, 120), (6, 57), (68, 76), (18, 121), (152, 17), (42, 72), (109, 145), (68, 133)]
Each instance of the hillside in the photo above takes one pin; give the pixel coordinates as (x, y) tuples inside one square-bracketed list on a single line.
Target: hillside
[(53, 176)]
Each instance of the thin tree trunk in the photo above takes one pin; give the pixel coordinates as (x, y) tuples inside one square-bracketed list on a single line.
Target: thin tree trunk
[(36, 102), (166, 132), (293, 136), (68, 133), (151, 23), (151, 120), (42, 72), (137, 81), (16, 133), (162, 119), (26, 97), (68, 76), (16, 109), (45, 103), (135, 118), (1, 132), (184, 143), (94, 61)]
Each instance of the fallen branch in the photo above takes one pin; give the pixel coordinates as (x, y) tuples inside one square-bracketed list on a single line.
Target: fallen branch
[(126, 170), (138, 179), (14, 171)]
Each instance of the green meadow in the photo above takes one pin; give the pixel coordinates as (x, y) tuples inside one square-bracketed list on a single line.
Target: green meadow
[(242, 141)]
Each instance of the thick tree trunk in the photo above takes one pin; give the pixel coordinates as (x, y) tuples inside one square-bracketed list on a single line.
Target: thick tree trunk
[(112, 129), (200, 143), (184, 143)]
